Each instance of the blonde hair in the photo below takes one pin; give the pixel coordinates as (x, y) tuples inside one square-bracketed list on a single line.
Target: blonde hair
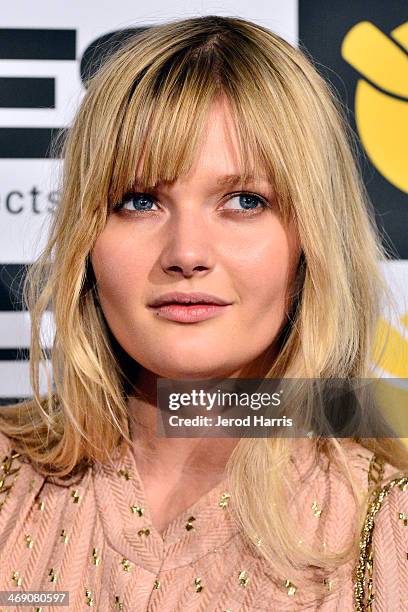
[(152, 97)]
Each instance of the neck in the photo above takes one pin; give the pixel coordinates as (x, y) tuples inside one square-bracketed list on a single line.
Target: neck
[(190, 456)]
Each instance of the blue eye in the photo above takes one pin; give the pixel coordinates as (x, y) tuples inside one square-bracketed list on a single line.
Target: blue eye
[(138, 201), (248, 201)]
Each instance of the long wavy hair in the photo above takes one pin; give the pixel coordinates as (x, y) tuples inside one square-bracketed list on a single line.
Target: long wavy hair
[(151, 97)]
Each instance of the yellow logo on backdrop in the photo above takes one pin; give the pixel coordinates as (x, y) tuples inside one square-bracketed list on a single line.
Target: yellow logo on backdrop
[(381, 116), (391, 354)]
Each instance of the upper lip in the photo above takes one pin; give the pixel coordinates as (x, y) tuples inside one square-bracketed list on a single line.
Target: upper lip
[(181, 297)]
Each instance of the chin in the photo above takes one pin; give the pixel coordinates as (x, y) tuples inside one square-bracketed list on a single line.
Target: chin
[(199, 371)]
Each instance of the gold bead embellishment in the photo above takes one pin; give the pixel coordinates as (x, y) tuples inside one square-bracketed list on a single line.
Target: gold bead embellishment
[(95, 558), (403, 517), (365, 560), (137, 510), (370, 594), (125, 474), (403, 486), (375, 471), (52, 575), (328, 584), (118, 603), (7, 463), (17, 578), (362, 456), (243, 578), (291, 588), (144, 531), (189, 524), (29, 541), (64, 536), (316, 510), (75, 496), (36, 609), (156, 584), (224, 500), (127, 566), (198, 586), (89, 599), (7, 470), (41, 505)]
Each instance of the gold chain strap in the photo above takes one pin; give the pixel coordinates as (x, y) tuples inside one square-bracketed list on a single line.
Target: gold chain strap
[(375, 471), (6, 471), (365, 564)]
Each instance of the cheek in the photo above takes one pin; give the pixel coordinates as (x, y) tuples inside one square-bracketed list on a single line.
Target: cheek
[(118, 268), (262, 270)]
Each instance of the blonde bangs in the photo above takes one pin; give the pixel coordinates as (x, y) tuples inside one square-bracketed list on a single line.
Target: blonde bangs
[(162, 126)]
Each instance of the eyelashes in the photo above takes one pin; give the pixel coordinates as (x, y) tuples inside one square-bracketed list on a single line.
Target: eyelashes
[(130, 196), (261, 203)]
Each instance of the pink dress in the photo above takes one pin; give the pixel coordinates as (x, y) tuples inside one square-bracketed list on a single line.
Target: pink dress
[(92, 536)]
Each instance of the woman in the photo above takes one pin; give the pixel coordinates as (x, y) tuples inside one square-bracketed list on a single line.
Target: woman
[(208, 155)]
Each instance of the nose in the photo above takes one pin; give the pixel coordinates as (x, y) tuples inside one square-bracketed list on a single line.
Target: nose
[(189, 245)]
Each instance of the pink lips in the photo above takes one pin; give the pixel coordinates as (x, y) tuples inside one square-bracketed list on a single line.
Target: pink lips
[(188, 297), (189, 313), (188, 306)]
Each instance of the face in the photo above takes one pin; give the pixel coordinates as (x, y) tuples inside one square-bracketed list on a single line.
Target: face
[(198, 234)]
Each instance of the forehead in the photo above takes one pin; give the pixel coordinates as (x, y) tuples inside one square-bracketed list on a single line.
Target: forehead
[(218, 153)]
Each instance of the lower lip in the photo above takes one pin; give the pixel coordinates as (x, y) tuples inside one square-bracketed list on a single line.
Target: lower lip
[(189, 313)]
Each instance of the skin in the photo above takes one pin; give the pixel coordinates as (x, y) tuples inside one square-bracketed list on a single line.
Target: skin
[(194, 237)]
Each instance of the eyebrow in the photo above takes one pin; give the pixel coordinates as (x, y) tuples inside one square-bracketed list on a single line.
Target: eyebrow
[(234, 179), (228, 179)]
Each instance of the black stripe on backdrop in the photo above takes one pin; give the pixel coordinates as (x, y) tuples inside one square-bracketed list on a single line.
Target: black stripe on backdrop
[(19, 354), (37, 44), (28, 143), (11, 284), (14, 354), (27, 92), (4, 401)]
